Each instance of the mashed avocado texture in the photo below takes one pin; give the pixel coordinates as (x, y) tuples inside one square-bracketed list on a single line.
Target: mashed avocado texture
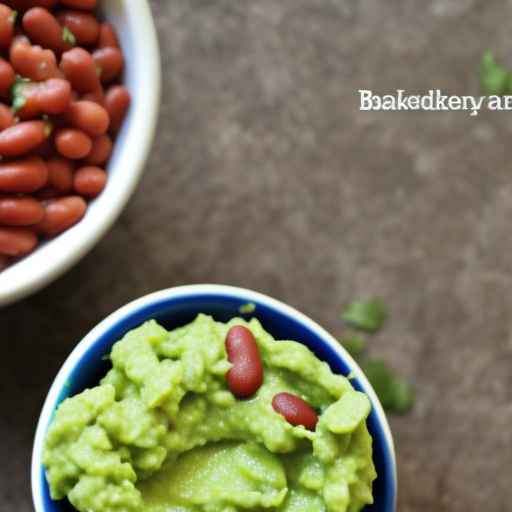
[(162, 432)]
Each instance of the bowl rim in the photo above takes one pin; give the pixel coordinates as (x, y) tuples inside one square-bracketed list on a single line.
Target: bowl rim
[(29, 276), (184, 292)]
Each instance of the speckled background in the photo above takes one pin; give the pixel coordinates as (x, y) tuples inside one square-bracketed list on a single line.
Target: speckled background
[(265, 174)]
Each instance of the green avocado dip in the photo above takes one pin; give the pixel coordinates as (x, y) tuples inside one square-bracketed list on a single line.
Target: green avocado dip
[(163, 432)]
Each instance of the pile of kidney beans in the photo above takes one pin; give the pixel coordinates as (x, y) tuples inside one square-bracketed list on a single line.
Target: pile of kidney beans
[(61, 106)]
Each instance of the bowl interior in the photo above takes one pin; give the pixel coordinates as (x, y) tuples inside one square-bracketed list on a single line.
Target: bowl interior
[(176, 311), (134, 24)]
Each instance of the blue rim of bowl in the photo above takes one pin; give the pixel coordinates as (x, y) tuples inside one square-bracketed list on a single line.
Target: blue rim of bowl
[(74, 377)]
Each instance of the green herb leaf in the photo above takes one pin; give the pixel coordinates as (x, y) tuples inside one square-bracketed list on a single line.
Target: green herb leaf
[(354, 343), (366, 316), (18, 103), (68, 36), (495, 79), (405, 396), (395, 393), (247, 309), (99, 70), (18, 98)]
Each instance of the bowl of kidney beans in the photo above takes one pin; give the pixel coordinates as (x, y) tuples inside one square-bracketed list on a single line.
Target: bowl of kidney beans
[(79, 95)]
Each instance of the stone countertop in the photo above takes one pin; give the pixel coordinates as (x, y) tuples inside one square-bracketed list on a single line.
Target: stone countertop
[(264, 174)]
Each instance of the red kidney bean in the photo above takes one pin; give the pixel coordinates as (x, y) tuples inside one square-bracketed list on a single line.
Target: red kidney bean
[(52, 96), (83, 26), (7, 20), (44, 29), (7, 78), (23, 137), (87, 5), (71, 143), (23, 176), (16, 241), (246, 375), (110, 62), (79, 68), (33, 62), (60, 214), (60, 175), (295, 410), (88, 116), (90, 181), (6, 117), (101, 150), (20, 211), (108, 36), (117, 103)]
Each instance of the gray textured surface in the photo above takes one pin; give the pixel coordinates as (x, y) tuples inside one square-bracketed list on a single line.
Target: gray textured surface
[(264, 174)]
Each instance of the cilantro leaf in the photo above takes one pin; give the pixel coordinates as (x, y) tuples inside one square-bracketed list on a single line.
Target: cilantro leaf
[(354, 343), (394, 392), (495, 79), (366, 316), (18, 103), (18, 98), (68, 36), (405, 396)]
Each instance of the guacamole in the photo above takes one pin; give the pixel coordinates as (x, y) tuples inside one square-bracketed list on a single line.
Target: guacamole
[(163, 432)]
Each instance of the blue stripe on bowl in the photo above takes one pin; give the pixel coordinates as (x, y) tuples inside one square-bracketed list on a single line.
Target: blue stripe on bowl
[(178, 311)]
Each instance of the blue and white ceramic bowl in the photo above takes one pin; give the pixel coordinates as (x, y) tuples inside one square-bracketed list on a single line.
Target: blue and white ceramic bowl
[(178, 306)]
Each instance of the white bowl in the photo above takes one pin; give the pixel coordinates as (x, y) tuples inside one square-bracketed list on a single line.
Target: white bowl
[(134, 24), (178, 306)]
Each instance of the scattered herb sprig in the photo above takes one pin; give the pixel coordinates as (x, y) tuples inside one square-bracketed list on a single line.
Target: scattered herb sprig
[(355, 344), (17, 89), (366, 316), (68, 36), (395, 393), (495, 79)]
